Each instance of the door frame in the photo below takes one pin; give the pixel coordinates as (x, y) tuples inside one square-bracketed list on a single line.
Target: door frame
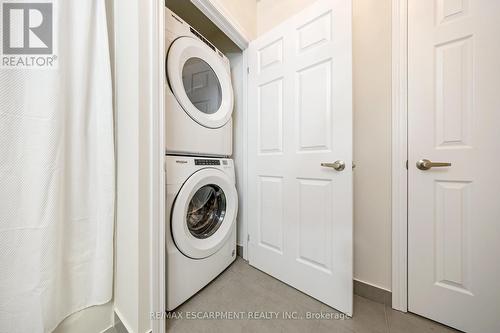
[(399, 171), (216, 12), (153, 36)]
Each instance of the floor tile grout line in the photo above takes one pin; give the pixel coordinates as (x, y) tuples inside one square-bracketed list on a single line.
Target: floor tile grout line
[(386, 319)]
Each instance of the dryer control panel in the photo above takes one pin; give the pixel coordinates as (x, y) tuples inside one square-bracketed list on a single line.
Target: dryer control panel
[(206, 162)]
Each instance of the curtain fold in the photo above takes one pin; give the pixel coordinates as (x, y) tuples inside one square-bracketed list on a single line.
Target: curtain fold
[(57, 176)]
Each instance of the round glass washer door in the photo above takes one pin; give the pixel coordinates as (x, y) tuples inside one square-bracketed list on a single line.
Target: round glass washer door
[(203, 214), (200, 82), (206, 211)]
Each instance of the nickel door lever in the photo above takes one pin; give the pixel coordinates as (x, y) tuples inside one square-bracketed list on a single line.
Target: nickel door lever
[(426, 164), (337, 165)]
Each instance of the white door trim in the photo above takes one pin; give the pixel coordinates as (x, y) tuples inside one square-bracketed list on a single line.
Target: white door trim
[(243, 206), (224, 21), (399, 155), (157, 152)]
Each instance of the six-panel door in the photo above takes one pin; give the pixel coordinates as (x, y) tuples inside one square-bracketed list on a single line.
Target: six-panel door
[(454, 116), (300, 115)]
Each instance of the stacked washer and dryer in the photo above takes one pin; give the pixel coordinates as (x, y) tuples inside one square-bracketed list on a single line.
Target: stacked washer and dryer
[(201, 198)]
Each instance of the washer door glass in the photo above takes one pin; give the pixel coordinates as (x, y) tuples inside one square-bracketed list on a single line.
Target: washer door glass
[(203, 215), (202, 85), (206, 211)]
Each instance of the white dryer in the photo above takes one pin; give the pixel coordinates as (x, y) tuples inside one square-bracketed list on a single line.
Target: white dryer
[(199, 94), (201, 209)]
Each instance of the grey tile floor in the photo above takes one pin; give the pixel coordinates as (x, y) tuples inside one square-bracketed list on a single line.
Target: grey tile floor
[(242, 288)]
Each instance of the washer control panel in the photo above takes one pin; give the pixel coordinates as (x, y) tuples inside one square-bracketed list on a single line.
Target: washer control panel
[(206, 162)]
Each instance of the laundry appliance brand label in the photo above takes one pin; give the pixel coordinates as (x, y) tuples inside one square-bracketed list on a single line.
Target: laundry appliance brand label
[(28, 34)]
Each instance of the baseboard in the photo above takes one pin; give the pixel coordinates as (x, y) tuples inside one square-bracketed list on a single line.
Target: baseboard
[(119, 325), (373, 293), (110, 329), (363, 289)]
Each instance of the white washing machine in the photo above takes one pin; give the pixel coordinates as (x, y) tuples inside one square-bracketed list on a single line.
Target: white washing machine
[(199, 94), (201, 209)]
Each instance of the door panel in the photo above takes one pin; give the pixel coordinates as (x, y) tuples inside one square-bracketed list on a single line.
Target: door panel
[(451, 225), (271, 213), (314, 107), (454, 93), (315, 229), (453, 116), (300, 115), (270, 113)]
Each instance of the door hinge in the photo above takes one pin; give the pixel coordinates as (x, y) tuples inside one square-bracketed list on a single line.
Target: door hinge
[(248, 70), (248, 237), (406, 164)]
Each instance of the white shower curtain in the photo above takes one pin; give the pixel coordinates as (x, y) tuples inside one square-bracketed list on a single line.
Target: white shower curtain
[(57, 177)]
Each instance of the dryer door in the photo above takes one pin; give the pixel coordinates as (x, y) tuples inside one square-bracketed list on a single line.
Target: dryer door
[(204, 213), (200, 82)]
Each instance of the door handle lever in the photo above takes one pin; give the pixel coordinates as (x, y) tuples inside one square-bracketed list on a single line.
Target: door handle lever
[(337, 165), (425, 164)]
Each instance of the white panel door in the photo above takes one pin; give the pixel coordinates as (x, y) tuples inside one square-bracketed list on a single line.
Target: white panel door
[(300, 115), (454, 116)]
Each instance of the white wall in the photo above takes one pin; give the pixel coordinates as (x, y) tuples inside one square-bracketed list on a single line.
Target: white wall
[(127, 155), (145, 90), (244, 12), (236, 60), (272, 12), (132, 271), (372, 138), (372, 141)]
